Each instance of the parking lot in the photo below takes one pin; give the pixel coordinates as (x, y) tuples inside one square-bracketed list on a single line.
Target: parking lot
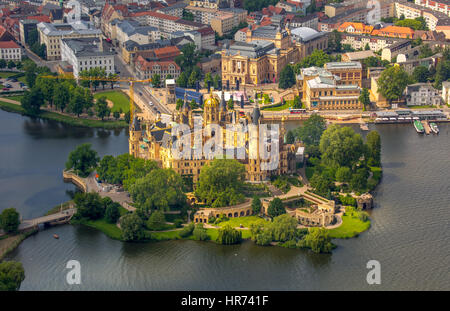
[(11, 85)]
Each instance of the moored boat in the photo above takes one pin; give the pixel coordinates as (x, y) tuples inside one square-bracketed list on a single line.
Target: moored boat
[(419, 127), (434, 128), (56, 236)]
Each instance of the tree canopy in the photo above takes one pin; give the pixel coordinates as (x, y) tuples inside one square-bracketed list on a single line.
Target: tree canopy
[(9, 220), (287, 77), (133, 227), (83, 160), (12, 275), (311, 130), (392, 82), (221, 182), (276, 208)]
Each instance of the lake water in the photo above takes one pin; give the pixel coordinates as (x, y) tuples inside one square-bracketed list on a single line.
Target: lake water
[(409, 235)]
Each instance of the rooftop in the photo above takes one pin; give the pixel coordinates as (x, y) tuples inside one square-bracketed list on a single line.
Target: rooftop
[(86, 47)]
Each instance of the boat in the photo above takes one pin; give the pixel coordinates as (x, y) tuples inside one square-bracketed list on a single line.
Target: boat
[(434, 127), (419, 127), (56, 236)]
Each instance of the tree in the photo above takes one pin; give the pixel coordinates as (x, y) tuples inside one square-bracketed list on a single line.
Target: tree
[(425, 51), (188, 58), (442, 73), (208, 78), (392, 82), (256, 205), (312, 130), (193, 104), (290, 137), (156, 221), (194, 77), (32, 101), (287, 77), (3, 63), (47, 87), (276, 208), (221, 182), (364, 98), (343, 174), (373, 142), (12, 275), (179, 103), (367, 47), (101, 106), (116, 115), (318, 240), (127, 117), (334, 42), (132, 227), (317, 58), (78, 101), (30, 74), (112, 212), (187, 15), (216, 81), (182, 80), (421, 74), (359, 180), (83, 160), (297, 104), (89, 205), (11, 64), (283, 228), (156, 80), (200, 233), (322, 183), (228, 235), (61, 95), (9, 220), (230, 103), (161, 189), (340, 146)]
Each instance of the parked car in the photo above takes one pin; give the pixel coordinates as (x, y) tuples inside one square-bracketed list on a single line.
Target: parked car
[(14, 80), (8, 85), (140, 93), (5, 89)]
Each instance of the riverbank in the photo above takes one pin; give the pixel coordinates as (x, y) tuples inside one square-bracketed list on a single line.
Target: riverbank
[(11, 242), (74, 121)]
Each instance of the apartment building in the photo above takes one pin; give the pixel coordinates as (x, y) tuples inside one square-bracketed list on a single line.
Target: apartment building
[(353, 27), (422, 94), (9, 50), (412, 11), (86, 53), (442, 6), (222, 23), (145, 69), (51, 35)]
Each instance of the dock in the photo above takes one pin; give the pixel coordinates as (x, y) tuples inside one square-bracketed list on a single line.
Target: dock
[(363, 126), (426, 126)]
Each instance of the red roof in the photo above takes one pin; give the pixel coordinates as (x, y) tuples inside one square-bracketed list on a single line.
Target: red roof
[(143, 64), (155, 14), (205, 31), (167, 52), (40, 18), (8, 45)]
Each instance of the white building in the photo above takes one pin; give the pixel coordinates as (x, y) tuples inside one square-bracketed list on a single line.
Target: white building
[(86, 53), (9, 50), (422, 94), (446, 92)]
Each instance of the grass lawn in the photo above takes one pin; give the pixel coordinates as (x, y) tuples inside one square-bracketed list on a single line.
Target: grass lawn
[(7, 74), (309, 171), (350, 227), (279, 108), (174, 235), (110, 230), (245, 221), (119, 98), (15, 97)]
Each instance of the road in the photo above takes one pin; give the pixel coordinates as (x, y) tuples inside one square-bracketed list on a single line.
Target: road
[(147, 97)]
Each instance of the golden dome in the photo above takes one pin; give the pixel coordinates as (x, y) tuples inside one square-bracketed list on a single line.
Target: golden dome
[(211, 102)]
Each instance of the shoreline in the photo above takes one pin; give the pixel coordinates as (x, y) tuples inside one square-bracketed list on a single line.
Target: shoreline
[(54, 116), (10, 243)]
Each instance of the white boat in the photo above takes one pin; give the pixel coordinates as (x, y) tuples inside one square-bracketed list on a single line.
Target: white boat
[(434, 127)]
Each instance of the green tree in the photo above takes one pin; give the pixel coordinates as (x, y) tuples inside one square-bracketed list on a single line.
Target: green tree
[(340, 146), (312, 130), (133, 227), (12, 275), (30, 74), (373, 142), (276, 208), (116, 115), (161, 189), (208, 78), (221, 182), (343, 174), (156, 80), (187, 230), (32, 101), (182, 80), (364, 98), (11, 64), (334, 42), (77, 102), (256, 205), (290, 137), (156, 221), (359, 180), (287, 77), (283, 228), (89, 205), (61, 95), (112, 212), (442, 73), (216, 81), (322, 183), (83, 160), (127, 117), (189, 57), (318, 240), (200, 233), (317, 58), (101, 106), (392, 82), (230, 104), (194, 77), (297, 104), (421, 74), (3, 63), (179, 103), (425, 51), (187, 15), (228, 235), (9, 220)]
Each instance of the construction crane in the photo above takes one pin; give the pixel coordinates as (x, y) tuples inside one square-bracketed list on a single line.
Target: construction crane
[(131, 82)]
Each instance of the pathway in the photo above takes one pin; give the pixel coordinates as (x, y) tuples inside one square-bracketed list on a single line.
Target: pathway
[(61, 216)]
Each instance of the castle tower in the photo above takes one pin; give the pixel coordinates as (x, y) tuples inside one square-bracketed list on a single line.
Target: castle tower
[(211, 110), (135, 136)]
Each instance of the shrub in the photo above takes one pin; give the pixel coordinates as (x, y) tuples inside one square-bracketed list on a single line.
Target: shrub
[(347, 200), (363, 216), (264, 238), (112, 213), (178, 223), (156, 221), (187, 230), (289, 244), (212, 220)]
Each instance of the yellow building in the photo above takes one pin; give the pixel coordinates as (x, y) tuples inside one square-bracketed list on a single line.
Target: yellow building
[(155, 141), (332, 87), (261, 58)]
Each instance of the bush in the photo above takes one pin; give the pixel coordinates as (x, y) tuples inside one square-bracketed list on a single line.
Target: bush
[(276, 208), (156, 221), (347, 200), (363, 216), (289, 244), (9, 220), (112, 213), (264, 238), (212, 220), (199, 233), (178, 223), (187, 230)]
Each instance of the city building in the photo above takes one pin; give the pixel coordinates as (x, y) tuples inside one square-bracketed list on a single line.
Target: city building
[(375, 43), (357, 56), (261, 58), (175, 10), (25, 26), (51, 35), (9, 50), (222, 23), (156, 141), (422, 94), (309, 40), (310, 20), (335, 87), (442, 6), (352, 27), (145, 69), (446, 92), (87, 53), (394, 31), (411, 11)]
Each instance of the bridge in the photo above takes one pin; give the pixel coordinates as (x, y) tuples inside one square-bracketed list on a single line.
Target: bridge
[(60, 217)]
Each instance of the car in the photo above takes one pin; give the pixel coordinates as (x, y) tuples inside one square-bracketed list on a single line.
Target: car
[(14, 80), (8, 85), (150, 103), (140, 93), (5, 89)]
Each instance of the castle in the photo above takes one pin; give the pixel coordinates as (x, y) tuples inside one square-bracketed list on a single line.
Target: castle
[(154, 141)]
